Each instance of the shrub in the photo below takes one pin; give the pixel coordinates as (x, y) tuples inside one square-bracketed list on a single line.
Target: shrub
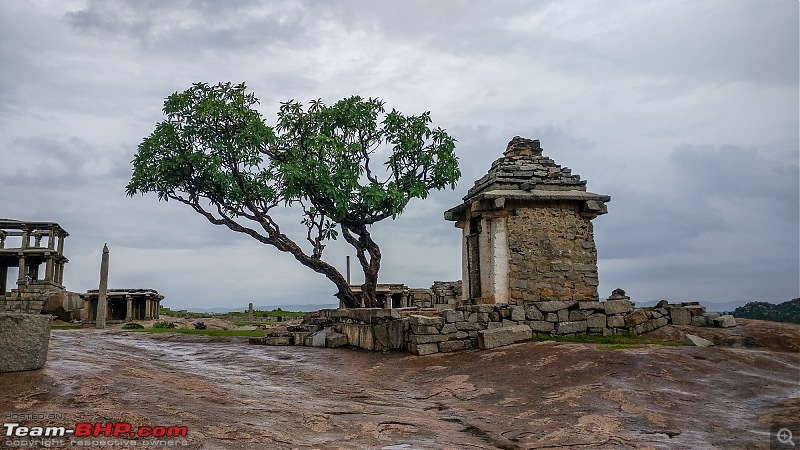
[(199, 326), (164, 325), (132, 326)]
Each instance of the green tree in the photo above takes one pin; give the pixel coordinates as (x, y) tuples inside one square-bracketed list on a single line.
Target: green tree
[(215, 153)]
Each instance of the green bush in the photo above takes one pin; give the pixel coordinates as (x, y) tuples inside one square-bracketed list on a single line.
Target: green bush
[(164, 325), (132, 326), (199, 326)]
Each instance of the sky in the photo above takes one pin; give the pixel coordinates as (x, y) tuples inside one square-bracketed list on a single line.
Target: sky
[(684, 112)]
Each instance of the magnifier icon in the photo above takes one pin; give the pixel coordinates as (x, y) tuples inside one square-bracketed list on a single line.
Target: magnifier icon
[(785, 436)]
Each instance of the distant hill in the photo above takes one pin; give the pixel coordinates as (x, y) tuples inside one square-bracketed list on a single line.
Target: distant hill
[(781, 312), (303, 308)]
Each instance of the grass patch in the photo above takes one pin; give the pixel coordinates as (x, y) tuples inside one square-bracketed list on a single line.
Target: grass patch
[(617, 342), (255, 333)]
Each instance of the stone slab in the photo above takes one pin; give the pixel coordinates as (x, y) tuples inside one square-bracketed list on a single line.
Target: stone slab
[(24, 340), (571, 327), (499, 337), (696, 341), (679, 315), (423, 349), (725, 321), (336, 340), (618, 306)]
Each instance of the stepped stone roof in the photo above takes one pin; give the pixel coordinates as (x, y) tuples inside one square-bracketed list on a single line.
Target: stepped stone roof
[(524, 174)]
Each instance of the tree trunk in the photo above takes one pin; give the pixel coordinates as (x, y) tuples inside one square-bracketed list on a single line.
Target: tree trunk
[(369, 256)]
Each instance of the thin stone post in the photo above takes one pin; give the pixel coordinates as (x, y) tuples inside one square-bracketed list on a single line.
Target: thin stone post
[(102, 298), (250, 313)]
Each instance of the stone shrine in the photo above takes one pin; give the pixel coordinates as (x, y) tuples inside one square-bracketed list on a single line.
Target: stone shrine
[(527, 231)]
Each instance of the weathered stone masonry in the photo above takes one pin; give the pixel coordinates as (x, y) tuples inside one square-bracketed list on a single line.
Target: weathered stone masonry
[(527, 231)]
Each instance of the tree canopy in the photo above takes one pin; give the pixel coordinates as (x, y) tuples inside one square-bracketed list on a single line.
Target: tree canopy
[(215, 153)]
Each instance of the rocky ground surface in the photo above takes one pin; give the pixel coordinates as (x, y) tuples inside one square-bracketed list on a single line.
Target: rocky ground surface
[(530, 395)]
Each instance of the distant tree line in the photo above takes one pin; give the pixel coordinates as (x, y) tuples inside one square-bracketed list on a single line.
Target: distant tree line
[(782, 312)]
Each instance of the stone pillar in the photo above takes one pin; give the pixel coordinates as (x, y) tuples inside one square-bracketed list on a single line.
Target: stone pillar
[(464, 259), (250, 311), (129, 311), (500, 259), (61, 244), (23, 269), (87, 307), (3, 280), (48, 271), (147, 309), (38, 241), (51, 240), (26, 239), (102, 298)]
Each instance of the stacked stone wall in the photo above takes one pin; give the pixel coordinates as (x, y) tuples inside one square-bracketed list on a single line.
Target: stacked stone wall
[(427, 331), (552, 255)]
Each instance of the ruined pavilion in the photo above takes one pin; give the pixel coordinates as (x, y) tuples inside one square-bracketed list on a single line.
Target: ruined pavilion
[(36, 251)]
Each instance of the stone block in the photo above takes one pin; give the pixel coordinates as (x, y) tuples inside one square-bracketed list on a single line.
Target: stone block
[(615, 321), (424, 329), (533, 313), (449, 328), (551, 317), (635, 318), (390, 335), (426, 321), (473, 318), (696, 310), (317, 339), (725, 321), (451, 346), (493, 325), (539, 326), (359, 335), (482, 308), (598, 306), (696, 341), (24, 340), (618, 306), (576, 315), (554, 305), (596, 321), (699, 321), (272, 340), (451, 316), (427, 338), (494, 316), (470, 326), (503, 336), (517, 313), (563, 315), (571, 327), (336, 340), (423, 349), (679, 315)]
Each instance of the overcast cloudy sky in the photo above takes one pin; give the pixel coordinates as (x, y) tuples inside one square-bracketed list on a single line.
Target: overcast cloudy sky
[(685, 112)]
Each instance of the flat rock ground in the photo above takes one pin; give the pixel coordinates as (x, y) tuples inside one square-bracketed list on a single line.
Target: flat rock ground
[(232, 395)]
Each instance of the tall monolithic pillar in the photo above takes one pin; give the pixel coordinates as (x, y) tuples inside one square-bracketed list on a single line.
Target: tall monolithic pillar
[(102, 298)]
